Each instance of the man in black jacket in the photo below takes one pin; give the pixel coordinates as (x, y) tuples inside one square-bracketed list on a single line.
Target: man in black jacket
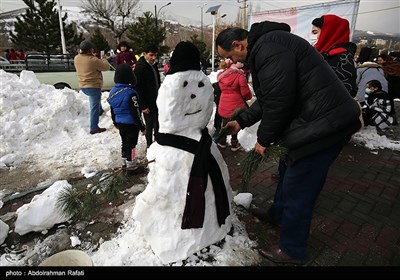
[(302, 106), (148, 83)]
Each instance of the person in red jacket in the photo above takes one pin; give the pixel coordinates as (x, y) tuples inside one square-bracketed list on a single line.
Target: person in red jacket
[(125, 55), (235, 92), (13, 56)]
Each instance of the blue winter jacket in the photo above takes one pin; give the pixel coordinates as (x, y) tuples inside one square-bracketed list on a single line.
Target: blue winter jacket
[(125, 107)]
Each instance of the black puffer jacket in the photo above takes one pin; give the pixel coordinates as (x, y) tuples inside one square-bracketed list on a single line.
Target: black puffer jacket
[(300, 101), (341, 59), (148, 83)]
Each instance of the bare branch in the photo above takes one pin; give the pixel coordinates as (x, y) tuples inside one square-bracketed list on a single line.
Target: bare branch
[(114, 15)]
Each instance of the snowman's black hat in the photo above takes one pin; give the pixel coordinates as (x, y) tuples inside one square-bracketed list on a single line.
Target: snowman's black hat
[(186, 56)]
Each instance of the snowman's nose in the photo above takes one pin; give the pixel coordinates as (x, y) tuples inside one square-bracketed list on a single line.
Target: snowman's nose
[(193, 96)]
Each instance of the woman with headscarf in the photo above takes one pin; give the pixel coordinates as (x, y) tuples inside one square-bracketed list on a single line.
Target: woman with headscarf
[(331, 37)]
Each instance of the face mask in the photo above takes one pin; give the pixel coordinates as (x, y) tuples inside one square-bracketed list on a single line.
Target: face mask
[(368, 91), (313, 39)]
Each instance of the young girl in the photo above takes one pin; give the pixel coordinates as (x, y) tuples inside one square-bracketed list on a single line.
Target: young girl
[(235, 92), (379, 111), (126, 115)]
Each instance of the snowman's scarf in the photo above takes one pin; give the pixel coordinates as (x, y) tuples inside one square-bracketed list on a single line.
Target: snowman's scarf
[(204, 164)]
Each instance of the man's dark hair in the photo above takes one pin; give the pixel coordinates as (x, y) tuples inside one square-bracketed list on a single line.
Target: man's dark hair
[(375, 83), (150, 48), (383, 56), (227, 36), (365, 54)]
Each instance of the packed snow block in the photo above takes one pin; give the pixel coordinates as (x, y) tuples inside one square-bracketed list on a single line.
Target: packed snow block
[(185, 103), (42, 213), (3, 231), (243, 199)]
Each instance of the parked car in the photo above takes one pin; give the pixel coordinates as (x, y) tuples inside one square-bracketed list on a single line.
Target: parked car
[(7, 66), (4, 61), (70, 80), (53, 62)]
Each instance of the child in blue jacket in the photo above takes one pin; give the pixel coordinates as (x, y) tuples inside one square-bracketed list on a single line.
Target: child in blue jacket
[(127, 115)]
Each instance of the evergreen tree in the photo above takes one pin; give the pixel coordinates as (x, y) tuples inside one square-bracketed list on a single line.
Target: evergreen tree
[(39, 28), (99, 41), (144, 31), (204, 52)]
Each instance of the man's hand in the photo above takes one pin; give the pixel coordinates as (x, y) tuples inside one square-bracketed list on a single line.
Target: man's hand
[(259, 149), (146, 111), (232, 127)]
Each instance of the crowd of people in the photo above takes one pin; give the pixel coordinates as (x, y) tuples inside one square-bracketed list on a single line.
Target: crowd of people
[(14, 56), (310, 97)]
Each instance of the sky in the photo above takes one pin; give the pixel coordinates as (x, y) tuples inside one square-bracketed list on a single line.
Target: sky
[(44, 129), (378, 16)]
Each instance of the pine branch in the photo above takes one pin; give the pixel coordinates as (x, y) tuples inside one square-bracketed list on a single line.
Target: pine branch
[(254, 159), (79, 201), (225, 130)]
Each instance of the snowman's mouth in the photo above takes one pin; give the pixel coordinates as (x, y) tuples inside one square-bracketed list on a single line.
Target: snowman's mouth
[(188, 114)]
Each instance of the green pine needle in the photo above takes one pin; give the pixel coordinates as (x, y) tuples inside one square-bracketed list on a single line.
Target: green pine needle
[(77, 203), (80, 202), (254, 159)]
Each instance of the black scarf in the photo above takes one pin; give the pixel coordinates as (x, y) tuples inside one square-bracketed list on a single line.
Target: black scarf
[(204, 164)]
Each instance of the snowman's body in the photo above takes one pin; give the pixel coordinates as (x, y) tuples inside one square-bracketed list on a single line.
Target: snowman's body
[(185, 107)]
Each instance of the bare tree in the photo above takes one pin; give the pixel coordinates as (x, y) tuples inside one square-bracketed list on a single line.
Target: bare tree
[(114, 15)]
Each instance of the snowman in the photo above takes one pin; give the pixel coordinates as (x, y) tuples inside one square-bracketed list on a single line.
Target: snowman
[(186, 205)]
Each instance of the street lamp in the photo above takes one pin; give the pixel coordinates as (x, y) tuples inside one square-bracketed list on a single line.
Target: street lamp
[(213, 11), (156, 14), (201, 16)]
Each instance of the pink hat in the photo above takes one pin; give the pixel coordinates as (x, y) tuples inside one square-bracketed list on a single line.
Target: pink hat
[(228, 62), (238, 65)]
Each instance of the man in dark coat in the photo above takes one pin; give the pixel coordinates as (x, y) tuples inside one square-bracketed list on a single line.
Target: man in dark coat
[(148, 83), (302, 106)]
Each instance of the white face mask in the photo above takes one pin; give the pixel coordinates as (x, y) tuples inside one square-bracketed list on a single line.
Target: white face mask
[(313, 39)]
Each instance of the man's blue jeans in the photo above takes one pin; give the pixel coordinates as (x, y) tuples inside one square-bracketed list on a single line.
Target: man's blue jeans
[(295, 197), (95, 105)]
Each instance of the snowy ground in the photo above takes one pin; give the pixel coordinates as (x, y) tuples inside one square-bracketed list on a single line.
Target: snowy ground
[(48, 129)]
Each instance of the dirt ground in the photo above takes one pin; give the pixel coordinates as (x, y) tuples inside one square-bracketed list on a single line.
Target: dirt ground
[(102, 224), (19, 179)]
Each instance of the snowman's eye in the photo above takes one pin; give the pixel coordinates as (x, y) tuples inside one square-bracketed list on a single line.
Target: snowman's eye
[(201, 84), (185, 83)]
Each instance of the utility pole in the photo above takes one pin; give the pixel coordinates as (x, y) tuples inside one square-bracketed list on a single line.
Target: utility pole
[(64, 48), (243, 16), (201, 19)]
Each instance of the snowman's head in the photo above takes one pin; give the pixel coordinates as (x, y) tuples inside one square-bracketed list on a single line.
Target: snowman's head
[(185, 98), (185, 102)]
